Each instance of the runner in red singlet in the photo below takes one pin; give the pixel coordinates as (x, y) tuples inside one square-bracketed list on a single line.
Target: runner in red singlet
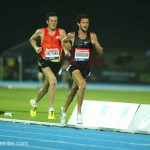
[(49, 64)]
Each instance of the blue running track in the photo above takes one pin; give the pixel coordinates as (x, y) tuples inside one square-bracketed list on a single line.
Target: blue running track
[(21, 136)]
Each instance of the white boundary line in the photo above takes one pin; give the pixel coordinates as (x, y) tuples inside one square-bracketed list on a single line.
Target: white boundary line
[(99, 86), (69, 126), (29, 122)]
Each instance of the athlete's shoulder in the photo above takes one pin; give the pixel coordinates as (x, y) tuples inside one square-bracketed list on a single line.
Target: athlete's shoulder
[(39, 31), (92, 33)]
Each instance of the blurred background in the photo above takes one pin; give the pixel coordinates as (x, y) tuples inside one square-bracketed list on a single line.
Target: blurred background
[(122, 27)]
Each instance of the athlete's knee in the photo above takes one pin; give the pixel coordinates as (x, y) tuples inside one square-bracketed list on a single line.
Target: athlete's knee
[(53, 82)]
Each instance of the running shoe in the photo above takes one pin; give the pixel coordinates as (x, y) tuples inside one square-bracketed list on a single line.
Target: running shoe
[(34, 108), (79, 119), (51, 113), (63, 116)]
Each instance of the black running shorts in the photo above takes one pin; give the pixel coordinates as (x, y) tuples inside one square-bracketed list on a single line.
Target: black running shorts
[(55, 66), (85, 74)]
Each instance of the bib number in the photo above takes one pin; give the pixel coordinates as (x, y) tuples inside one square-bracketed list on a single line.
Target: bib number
[(82, 54), (52, 54)]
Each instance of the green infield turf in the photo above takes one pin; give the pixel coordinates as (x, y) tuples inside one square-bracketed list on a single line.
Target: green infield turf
[(16, 100)]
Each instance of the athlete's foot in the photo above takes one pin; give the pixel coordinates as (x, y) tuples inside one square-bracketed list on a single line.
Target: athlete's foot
[(34, 108), (51, 114), (79, 119), (63, 116)]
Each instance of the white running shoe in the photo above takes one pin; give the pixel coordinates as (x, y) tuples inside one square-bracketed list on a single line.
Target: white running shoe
[(33, 103), (79, 119), (63, 116)]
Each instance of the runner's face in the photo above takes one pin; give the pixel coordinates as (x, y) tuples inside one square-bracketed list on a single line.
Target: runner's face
[(84, 24), (52, 22)]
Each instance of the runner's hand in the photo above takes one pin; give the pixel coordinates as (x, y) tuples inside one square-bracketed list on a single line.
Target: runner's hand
[(38, 50)]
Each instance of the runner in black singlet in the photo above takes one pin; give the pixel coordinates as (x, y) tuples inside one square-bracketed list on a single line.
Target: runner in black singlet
[(83, 43)]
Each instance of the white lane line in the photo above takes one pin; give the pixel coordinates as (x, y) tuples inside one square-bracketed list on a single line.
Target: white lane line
[(61, 131), (64, 142), (78, 137)]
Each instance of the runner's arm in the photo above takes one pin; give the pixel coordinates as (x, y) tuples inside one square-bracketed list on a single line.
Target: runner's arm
[(96, 44), (33, 39)]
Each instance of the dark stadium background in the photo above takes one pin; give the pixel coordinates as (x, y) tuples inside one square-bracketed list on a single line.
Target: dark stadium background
[(122, 28)]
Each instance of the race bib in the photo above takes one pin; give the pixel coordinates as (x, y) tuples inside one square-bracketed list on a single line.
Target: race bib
[(52, 54), (82, 54)]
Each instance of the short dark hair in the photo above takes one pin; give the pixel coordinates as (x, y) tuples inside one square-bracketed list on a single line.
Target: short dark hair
[(50, 14), (81, 16)]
